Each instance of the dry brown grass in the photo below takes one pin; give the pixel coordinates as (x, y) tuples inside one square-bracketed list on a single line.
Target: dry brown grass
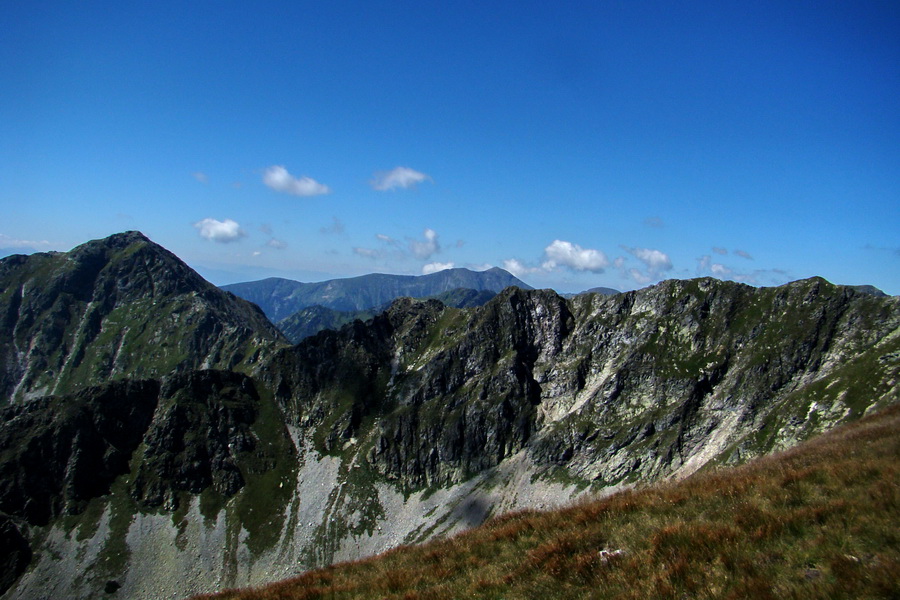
[(819, 521)]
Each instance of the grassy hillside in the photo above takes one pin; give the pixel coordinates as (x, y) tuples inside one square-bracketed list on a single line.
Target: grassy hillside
[(819, 521)]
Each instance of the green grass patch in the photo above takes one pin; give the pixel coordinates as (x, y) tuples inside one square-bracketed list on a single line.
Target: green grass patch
[(818, 521)]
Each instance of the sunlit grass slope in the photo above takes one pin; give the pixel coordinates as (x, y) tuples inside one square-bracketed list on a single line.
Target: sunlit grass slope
[(819, 521)]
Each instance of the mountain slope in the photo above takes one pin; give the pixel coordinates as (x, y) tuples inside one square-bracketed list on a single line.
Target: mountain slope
[(280, 298), (656, 382), (95, 460), (815, 522), (113, 308), (419, 423), (311, 320)]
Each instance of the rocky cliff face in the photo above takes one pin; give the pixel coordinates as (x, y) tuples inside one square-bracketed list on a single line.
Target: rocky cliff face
[(610, 388), (116, 308), (150, 444), (166, 480)]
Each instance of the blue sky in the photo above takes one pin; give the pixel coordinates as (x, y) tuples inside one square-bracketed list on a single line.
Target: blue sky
[(590, 144)]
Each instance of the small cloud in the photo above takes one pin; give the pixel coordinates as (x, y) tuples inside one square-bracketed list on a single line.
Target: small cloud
[(400, 177), (11, 242), (424, 249), (655, 260), (435, 267), (743, 254), (200, 176), (367, 252), (703, 264), (277, 244), (336, 227), (566, 254), (718, 250), (266, 228), (384, 238), (654, 222), (619, 262), (517, 267), (639, 277), (237, 185), (278, 178), (256, 253), (222, 232)]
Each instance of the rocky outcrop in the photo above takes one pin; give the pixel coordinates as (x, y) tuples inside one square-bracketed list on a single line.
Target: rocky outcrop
[(199, 435), (121, 307), (147, 476), (182, 435), (60, 452), (611, 389), (16, 553)]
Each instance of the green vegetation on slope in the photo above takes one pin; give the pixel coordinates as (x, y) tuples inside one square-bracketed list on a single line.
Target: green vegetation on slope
[(818, 521)]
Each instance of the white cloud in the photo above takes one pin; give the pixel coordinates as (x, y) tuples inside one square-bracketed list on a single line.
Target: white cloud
[(384, 238), (718, 250), (278, 178), (200, 176), (367, 252), (219, 231), (400, 177), (639, 277), (566, 254), (655, 260), (11, 242), (703, 264), (516, 267), (425, 249), (743, 254), (277, 244), (655, 222), (619, 262), (435, 267)]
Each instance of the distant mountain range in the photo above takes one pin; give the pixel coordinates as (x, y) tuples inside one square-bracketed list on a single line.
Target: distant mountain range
[(281, 298), (313, 319), (159, 437)]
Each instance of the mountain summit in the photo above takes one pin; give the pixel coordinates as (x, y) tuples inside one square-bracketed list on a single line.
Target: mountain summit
[(160, 438), (113, 308), (281, 298)]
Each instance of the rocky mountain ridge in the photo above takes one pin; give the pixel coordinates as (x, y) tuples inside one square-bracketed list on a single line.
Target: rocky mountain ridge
[(422, 421), (121, 307)]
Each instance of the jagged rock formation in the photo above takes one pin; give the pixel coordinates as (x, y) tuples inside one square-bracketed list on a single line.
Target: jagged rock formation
[(159, 442), (150, 478), (115, 308), (612, 388), (60, 452)]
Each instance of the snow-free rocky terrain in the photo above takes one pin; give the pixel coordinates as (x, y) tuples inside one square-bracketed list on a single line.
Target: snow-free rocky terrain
[(159, 437)]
